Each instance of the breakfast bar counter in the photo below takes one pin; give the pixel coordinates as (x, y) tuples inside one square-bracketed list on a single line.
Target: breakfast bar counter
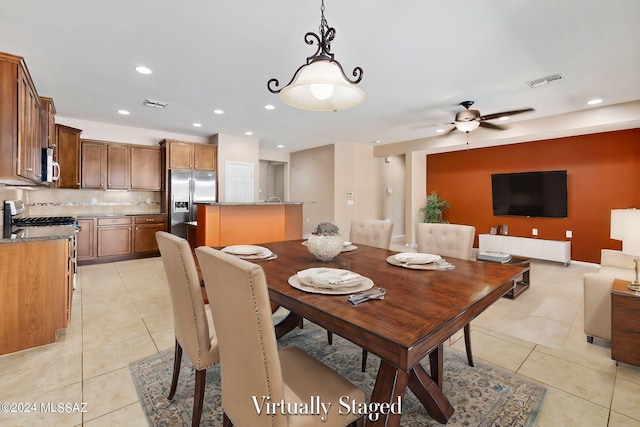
[(223, 224)]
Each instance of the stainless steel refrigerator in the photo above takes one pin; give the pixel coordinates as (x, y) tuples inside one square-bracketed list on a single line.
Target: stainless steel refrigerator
[(186, 188)]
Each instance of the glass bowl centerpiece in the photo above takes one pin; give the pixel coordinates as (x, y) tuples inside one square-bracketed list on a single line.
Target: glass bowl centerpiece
[(325, 243)]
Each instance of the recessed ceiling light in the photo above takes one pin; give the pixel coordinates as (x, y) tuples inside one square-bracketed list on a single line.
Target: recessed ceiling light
[(248, 132), (123, 112), (218, 112), (269, 107), (197, 125), (280, 146), (594, 101), (439, 130), (143, 70), (503, 118)]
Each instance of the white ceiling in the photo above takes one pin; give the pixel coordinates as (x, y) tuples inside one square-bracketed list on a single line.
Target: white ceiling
[(420, 59)]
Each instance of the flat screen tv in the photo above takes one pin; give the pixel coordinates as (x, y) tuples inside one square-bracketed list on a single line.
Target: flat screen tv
[(530, 194)]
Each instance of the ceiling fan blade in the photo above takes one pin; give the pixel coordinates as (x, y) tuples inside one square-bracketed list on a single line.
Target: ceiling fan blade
[(506, 113), (491, 126), (431, 125)]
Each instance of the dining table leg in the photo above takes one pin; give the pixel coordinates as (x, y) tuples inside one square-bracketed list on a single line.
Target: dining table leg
[(435, 365), (390, 385), (429, 393)]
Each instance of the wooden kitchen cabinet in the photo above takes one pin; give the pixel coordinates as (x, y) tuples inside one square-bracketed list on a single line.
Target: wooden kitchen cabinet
[(68, 156), (21, 132), (30, 141), (144, 238), (114, 236), (117, 238), (187, 155), (146, 168), (93, 164), (118, 166), (86, 239), (36, 279), (49, 124)]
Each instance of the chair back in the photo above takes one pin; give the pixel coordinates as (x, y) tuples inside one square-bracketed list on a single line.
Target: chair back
[(249, 360), (372, 232), (189, 314), (454, 240)]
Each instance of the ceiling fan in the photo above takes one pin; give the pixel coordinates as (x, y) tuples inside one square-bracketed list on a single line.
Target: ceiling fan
[(469, 120)]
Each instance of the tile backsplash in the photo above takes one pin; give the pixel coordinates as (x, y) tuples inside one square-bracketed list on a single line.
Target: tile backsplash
[(62, 202)]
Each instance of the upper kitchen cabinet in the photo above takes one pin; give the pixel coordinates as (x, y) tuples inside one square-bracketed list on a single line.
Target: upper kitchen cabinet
[(188, 155), (21, 136), (93, 164), (49, 124), (68, 156), (116, 166), (146, 168)]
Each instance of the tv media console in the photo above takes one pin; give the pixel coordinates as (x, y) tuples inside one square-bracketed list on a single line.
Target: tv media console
[(549, 250)]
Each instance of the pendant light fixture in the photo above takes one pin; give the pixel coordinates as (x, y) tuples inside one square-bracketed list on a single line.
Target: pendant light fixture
[(320, 84)]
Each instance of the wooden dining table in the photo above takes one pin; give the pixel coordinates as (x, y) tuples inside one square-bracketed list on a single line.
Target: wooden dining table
[(420, 311)]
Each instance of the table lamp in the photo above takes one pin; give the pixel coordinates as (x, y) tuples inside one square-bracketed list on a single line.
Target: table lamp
[(625, 226)]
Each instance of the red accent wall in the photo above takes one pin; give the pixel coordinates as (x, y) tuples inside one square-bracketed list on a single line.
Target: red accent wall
[(603, 174)]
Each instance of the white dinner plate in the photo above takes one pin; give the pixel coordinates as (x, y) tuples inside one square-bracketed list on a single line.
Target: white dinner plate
[(416, 257), (245, 250), (365, 284)]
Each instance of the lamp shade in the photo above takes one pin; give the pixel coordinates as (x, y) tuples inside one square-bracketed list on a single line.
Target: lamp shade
[(321, 86), (467, 126), (625, 226)]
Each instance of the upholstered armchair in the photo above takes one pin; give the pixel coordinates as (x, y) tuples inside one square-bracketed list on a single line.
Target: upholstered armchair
[(597, 292)]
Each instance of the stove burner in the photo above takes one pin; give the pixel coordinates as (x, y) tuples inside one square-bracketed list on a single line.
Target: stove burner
[(36, 221)]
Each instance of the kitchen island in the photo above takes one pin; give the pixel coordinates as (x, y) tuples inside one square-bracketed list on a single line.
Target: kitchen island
[(223, 224), (36, 286)]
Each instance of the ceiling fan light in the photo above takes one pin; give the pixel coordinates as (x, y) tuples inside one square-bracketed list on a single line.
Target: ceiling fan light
[(467, 126), (320, 86)]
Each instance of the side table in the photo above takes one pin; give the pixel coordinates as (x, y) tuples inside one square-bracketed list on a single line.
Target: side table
[(625, 323)]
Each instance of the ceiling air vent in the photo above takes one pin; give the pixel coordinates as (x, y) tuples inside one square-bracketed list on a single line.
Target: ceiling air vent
[(155, 104), (534, 84)]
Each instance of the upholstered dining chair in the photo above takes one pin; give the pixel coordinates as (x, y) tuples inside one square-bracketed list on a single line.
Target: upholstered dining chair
[(250, 362), (454, 240), (371, 232), (192, 318)]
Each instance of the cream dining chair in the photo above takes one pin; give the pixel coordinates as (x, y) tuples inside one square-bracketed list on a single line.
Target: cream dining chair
[(250, 362), (370, 232), (192, 318), (453, 240)]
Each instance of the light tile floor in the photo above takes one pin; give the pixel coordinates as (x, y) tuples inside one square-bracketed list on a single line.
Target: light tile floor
[(122, 312)]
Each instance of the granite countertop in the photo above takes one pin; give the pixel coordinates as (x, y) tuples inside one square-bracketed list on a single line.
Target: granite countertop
[(30, 234)]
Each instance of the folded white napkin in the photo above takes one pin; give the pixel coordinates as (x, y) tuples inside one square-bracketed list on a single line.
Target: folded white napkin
[(329, 278), (416, 258)]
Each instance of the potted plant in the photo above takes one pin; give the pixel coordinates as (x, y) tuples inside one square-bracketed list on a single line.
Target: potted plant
[(434, 207), (325, 243)]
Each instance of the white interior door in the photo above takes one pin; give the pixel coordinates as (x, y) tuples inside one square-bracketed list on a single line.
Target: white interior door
[(238, 181)]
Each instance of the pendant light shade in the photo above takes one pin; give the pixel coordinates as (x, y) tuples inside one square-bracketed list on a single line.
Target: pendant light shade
[(321, 84)]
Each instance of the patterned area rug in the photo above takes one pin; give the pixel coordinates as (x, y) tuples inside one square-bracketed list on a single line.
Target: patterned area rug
[(482, 396)]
